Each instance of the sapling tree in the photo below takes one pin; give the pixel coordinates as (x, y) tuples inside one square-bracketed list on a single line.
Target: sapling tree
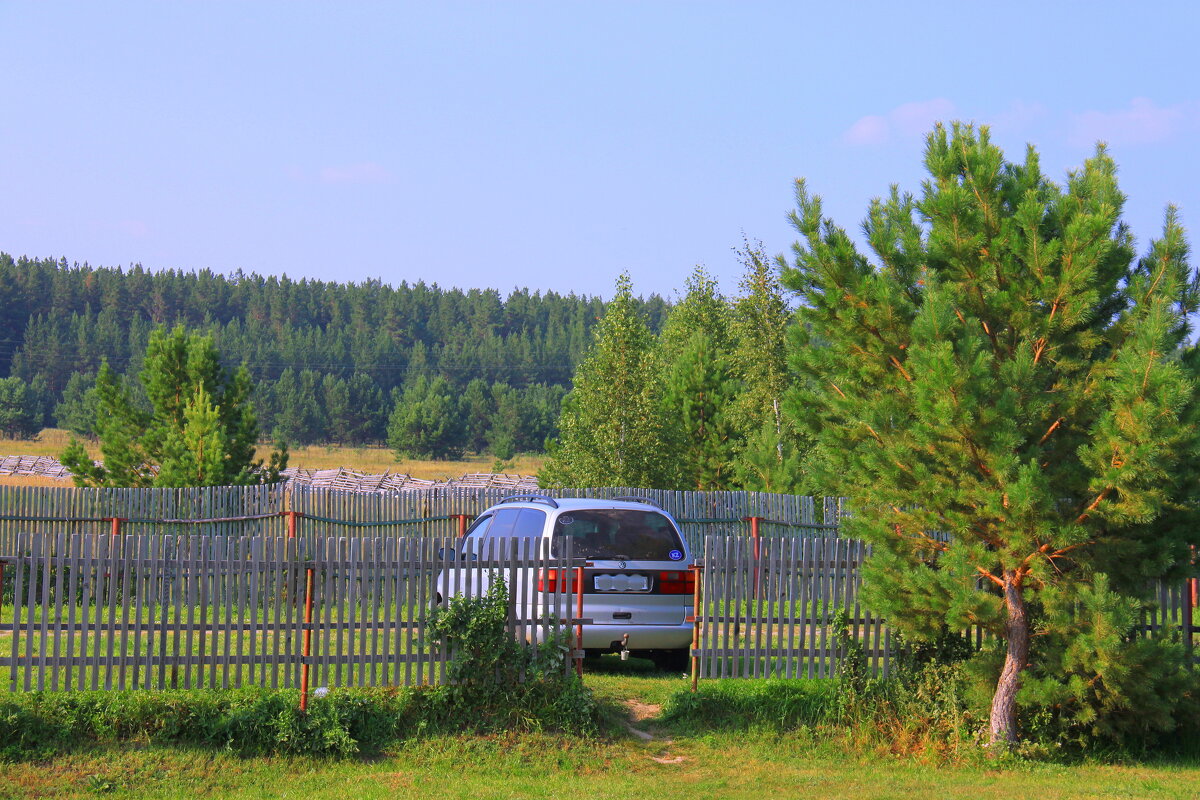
[(200, 428), (997, 387), (613, 431), (699, 387)]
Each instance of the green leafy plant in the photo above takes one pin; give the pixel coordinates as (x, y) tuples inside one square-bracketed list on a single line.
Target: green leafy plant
[(495, 682)]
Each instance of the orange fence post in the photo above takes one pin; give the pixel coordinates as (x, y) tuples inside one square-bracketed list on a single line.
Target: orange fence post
[(1189, 613), (291, 515), (1189, 606), (308, 587), (463, 519), (697, 571), (579, 625), (754, 521)]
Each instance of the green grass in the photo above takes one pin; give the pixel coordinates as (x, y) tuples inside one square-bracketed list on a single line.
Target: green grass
[(749, 739), (751, 761), (540, 766)]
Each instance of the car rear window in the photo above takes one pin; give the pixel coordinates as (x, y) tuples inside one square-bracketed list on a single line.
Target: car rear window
[(619, 534), (517, 523)]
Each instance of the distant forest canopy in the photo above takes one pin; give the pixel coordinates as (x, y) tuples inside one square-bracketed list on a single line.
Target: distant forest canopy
[(328, 359)]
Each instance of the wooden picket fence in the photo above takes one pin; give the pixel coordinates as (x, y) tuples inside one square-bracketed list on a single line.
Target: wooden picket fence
[(221, 609), (770, 608), (312, 512), (142, 611)]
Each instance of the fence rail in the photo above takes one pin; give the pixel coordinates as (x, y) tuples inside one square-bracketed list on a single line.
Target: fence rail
[(152, 612), (319, 512)]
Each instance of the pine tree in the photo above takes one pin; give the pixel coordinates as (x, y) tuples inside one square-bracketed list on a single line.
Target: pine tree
[(1000, 395), (698, 394), (119, 424), (477, 411), (77, 410), (199, 425), (769, 445), (425, 422), (612, 428), (21, 407), (194, 454)]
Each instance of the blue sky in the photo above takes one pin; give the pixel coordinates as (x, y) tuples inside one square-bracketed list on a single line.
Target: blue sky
[(548, 145)]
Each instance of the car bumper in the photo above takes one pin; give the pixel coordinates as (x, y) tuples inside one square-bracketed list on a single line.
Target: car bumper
[(641, 637)]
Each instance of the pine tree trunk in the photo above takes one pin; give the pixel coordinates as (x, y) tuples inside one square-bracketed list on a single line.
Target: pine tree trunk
[(1004, 703)]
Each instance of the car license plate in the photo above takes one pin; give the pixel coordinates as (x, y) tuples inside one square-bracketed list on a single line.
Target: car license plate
[(622, 583)]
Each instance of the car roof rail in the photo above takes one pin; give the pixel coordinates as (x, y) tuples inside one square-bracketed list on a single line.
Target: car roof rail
[(530, 498), (631, 499)]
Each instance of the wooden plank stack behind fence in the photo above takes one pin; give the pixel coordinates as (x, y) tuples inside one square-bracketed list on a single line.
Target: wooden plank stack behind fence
[(172, 611)]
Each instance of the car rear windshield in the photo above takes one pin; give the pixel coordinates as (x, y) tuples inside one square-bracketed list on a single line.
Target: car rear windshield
[(504, 524), (619, 534)]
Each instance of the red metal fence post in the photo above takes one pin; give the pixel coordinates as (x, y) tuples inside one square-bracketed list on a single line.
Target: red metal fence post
[(579, 625), (116, 526), (1189, 605), (291, 515), (697, 572), (308, 586), (463, 519), (754, 521), (1189, 612)]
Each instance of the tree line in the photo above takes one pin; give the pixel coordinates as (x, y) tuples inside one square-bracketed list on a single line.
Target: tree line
[(328, 361)]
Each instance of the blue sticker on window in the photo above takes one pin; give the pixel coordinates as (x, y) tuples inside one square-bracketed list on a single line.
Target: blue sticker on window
[(674, 555)]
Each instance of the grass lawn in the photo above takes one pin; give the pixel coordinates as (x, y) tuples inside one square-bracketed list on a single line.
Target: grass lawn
[(623, 764)]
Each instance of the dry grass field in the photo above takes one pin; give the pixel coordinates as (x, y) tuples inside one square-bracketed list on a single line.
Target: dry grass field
[(372, 460)]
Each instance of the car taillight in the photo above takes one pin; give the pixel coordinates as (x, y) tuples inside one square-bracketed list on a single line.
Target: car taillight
[(549, 580), (677, 582)]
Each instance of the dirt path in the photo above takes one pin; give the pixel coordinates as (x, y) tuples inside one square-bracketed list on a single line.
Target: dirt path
[(640, 724)]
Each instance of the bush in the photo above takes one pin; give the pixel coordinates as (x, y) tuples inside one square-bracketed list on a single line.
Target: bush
[(247, 721), (495, 682), (925, 706), (1098, 687)]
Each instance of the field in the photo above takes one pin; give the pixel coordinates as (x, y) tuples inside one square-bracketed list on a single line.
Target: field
[(372, 460), (640, 757)]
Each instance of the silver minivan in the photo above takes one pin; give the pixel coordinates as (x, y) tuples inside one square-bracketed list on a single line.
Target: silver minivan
[(637, 589)]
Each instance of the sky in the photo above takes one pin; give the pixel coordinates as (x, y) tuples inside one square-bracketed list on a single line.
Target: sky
[(549, 145)]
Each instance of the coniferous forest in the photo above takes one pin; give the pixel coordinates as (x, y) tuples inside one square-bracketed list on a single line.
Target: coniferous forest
[(329, 360)]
